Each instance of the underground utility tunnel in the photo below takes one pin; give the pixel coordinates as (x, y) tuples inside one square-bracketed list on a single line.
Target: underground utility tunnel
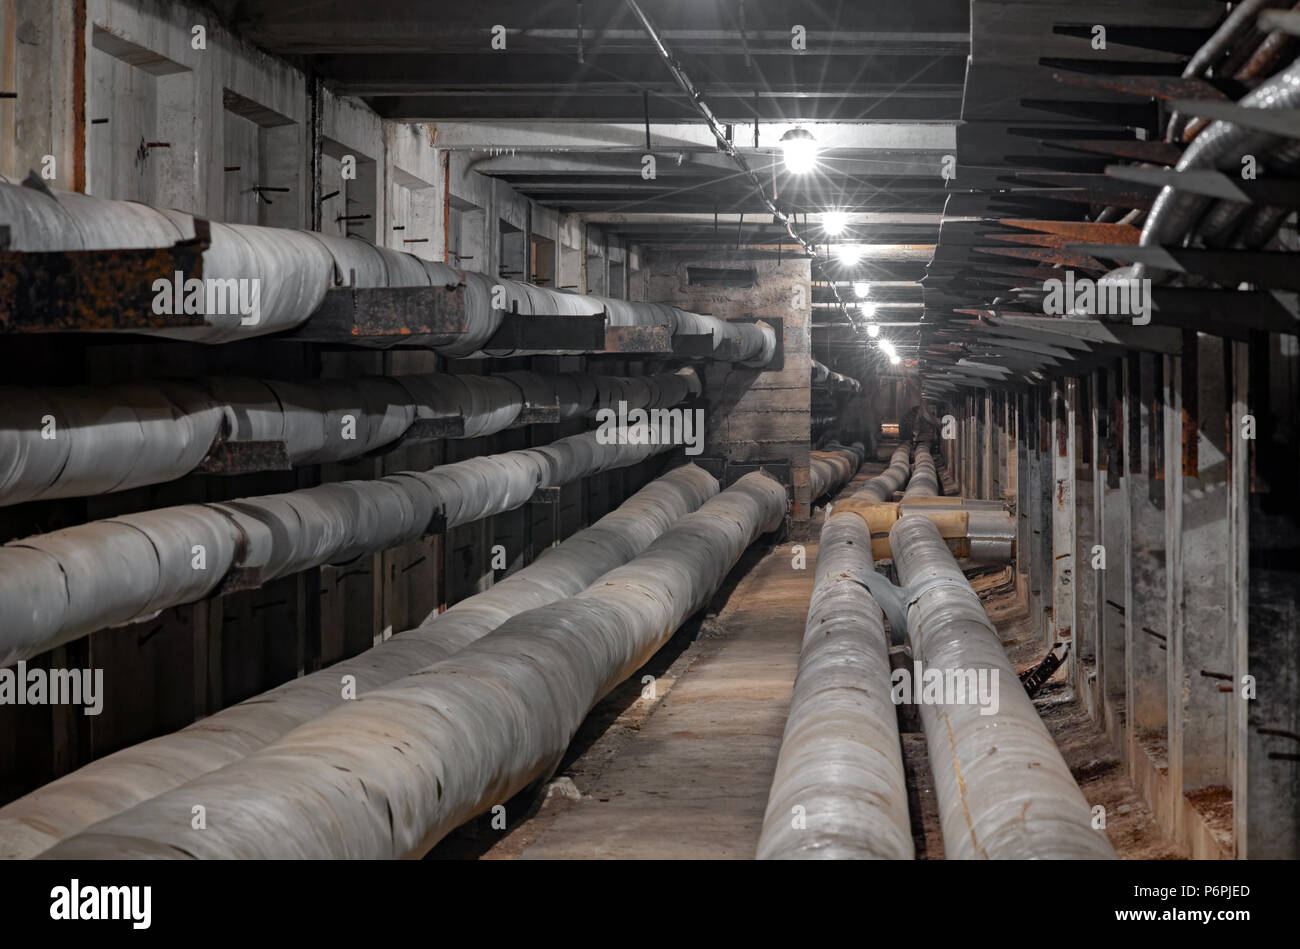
[(729, 429)]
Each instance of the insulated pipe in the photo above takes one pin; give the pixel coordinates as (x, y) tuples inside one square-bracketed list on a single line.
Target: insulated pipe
[(824, 376), (840, 771), (1174, 212), (390, 774), (99, 790), (882, 486), (1004, 790), (924, 482), (830, 470), (293, 270), (56, 587), (81, 440)]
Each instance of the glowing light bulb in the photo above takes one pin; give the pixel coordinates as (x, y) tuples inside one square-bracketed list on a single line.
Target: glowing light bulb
[(848, 254), (834, 222), (869, 311), (799, 151), (862, 289), (895, 359), (873, 331)]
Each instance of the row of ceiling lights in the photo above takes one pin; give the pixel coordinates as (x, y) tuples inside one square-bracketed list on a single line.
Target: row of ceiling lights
[(799, 153)]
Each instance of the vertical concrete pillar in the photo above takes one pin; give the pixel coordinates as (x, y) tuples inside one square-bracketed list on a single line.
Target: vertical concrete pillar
[(1111, 486), (1083, 443), (1064, 399)]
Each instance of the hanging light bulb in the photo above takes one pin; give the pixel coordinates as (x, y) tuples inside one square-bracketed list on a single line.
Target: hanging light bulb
[(834, 222), (873, 331), (848, 254), (799, 151), (895, 359), (869, 311), (862, 289)]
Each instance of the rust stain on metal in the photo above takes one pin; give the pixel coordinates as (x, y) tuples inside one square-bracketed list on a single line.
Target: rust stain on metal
[(1075, 232)]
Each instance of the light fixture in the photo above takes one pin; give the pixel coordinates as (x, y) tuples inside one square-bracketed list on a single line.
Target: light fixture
[(799, 151), (848, 254), (887, 348), (868, 309), (862, 289), (873, 330), (895, 359), (834, 222)]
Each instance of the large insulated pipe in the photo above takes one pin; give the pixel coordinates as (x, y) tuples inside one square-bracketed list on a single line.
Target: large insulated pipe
[(882, 486), (292, 270), (391, 773), (58, 586), (1004, 790), (831, 469), (58, 442), (37, 821), (840, 791), (826, 377), (924, 482)]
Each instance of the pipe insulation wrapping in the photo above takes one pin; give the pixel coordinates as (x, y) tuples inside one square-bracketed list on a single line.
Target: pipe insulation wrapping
[(117, 437), (293, 269), (882, 486), (391, 773), (99, 790), (58, 586), (1004, 790), (840, 759), (1221, 144), (924, 481), (824, 376), (833, 468)]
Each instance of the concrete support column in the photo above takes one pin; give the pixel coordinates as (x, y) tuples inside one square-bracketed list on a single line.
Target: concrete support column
[(1113, 532), (1064, 399), (1083, 443)]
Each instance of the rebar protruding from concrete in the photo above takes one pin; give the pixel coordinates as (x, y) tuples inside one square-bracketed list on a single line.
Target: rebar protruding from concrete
[(1004, 790), (391, 773), (840, 791), (97, 791), (58, 586)]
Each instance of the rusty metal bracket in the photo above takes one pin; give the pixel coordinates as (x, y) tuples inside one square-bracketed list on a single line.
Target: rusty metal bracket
[(385, 316), (88, 291), (639, 339), (549, 333)]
